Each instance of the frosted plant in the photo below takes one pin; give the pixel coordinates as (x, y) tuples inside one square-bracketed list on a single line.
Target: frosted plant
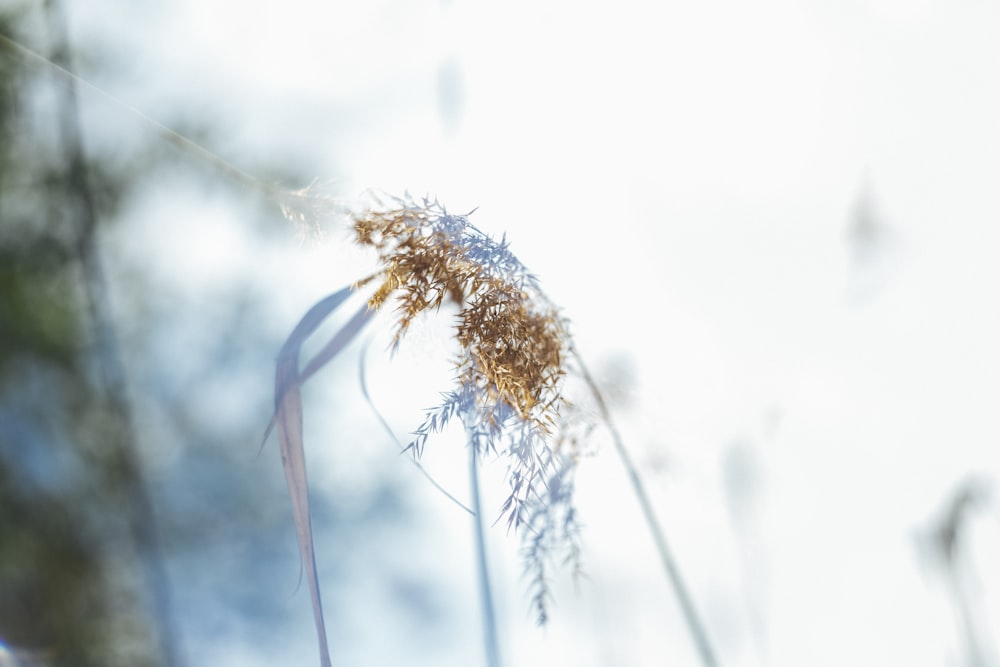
[(515, 353), (514, 345)]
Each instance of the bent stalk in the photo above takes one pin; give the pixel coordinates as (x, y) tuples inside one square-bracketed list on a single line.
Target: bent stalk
[(694, 624)]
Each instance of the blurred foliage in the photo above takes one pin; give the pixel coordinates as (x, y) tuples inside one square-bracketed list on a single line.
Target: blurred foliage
[(59, 597), (84, 558)]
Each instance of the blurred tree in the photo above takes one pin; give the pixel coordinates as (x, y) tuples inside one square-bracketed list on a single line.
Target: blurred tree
[(84, 557), (68, 566)]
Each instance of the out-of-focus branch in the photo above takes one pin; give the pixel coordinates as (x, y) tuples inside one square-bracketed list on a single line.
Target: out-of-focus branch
[(127, 474)]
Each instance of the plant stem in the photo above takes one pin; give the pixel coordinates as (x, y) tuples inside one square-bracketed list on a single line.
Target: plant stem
[(163, 131), (483, 572), (666, 556)]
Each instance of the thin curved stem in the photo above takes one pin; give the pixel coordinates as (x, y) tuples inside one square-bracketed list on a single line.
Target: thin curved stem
[(388, 429), (160, 129), (663, 548)]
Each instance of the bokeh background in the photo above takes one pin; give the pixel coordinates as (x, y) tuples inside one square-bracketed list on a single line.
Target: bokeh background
[(774, 228)]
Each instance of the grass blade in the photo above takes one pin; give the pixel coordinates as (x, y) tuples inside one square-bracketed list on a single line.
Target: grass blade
[(337, 343), (288, 419), (290, 350)]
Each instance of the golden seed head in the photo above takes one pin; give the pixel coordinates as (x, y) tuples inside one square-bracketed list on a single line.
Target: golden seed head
[(512, 338)]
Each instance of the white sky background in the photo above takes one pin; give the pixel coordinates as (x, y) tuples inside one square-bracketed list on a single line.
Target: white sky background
[(685, 179)]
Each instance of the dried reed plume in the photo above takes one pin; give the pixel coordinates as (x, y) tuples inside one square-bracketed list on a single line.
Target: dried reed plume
[(514, 345)]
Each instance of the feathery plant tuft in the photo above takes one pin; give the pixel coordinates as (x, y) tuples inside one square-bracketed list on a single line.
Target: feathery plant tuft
[(514, 344), (514, 347)]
